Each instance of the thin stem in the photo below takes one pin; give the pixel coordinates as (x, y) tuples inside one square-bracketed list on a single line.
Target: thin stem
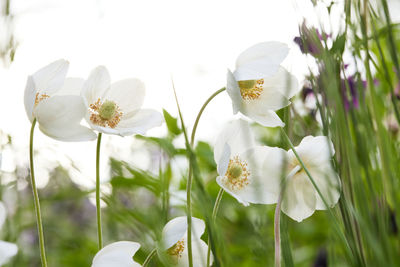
[(149, 257), (36, 199), (189, 181), (98, 208), (278, 231), (214, 216)]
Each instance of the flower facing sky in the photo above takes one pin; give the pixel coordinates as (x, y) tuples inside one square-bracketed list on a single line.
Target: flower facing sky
[(174, 241), (243, 168), (117, 254), (7, 249), (116, 108), (300, 198), (52, 100), (259, 86)]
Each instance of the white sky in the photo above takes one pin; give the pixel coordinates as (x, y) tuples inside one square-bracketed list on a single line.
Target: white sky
[(192, 41)]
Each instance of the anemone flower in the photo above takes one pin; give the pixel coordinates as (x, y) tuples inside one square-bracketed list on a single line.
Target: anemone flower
[(116, 108), (54, 104), (300, 198), (243, 168), (259, 86), (117, 254), (174, 242), (7, 249)]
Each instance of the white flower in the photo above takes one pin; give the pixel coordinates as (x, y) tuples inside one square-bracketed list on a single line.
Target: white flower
[(116, 108), (259, 86), (52, 100), (300, 198), (174, 241), (117, 254), (7, 250), (243, 168)]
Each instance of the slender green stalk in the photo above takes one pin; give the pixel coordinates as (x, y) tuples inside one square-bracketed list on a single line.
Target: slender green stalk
[(149, 257), (214, 216), (98, 208), (277, 231), (190, 175), (36, 199)]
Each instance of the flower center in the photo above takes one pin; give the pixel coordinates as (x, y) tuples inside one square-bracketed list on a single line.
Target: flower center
[(176, 250), (40, 97), (105, 114), (251, 89), (107, 110), (237, 174)]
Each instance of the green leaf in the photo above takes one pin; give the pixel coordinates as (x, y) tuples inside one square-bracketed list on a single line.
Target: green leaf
[(172, 123)]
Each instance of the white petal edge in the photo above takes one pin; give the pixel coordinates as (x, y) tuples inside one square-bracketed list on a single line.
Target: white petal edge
[(96, 85), (233, 90), (117, 254), (272, 51), (299, 199), (50, 78), (7, 251), (237, 134), (71, 86), (29, 97), (283, 82), (59, 117), (268, 119), (127, 94), (199, 253), (176, 229), (223, 162)]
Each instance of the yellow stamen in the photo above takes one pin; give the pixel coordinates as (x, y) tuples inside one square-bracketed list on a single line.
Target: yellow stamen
[(176, 250), (105, 114), (237, 174), (40, 97), (251, 89)]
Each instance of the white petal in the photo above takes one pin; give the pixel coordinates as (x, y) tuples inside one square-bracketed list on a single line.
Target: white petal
[(96, 85), (29, 97), (117, 254), (328, 182), (237, 135), (255, 70), (50, 78), (199, 254), (3, 214), (299, 200), (223, 162), (127, 94), (139, 122), (274, 52), (283, 82), (266, 165), (314, 151), (233, 90), (7, 251), (176, 229), (269, 99), (71, 86), (268, 119), (59, 117)]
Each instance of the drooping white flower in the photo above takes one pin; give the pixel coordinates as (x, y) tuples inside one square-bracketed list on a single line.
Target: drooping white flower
[(117, 254), (7, 249), (116, 108), (300, 198), (174, 241), (259, 86), (243, 168), (52, 100)]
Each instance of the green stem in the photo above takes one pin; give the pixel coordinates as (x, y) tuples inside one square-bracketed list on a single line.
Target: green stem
[(277, 230), (149, 257), (214, 215), (189, 181), (36, 199), (98, 208)]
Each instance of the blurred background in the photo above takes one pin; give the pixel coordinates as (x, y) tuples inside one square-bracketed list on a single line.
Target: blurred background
[(192, 43)]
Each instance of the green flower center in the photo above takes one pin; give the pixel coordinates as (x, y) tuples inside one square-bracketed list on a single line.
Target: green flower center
[(107, 110), (235, 171)]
